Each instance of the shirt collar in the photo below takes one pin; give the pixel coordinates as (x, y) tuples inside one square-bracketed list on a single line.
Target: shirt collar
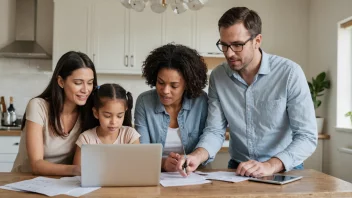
[(264, 66)]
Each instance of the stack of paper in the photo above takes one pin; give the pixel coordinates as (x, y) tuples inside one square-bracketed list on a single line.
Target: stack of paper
[(175, 179), (51, 187), (223, 176)]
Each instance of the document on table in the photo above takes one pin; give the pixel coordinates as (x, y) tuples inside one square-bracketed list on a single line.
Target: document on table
[(46, 186), (77, 192), (168, 179), (51, 187), (222, 176)]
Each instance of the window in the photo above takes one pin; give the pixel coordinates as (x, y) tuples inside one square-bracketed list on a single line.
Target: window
[(344, 73)]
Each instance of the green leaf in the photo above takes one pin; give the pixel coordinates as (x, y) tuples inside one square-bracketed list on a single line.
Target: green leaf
[(321, 77), (318, 103), (317, 87), (349, 114), (326, 84)]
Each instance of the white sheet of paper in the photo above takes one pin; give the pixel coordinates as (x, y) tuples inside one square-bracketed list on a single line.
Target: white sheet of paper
[(46, 186), (9, 188), (175, 179), (77, 192), (222, 176)]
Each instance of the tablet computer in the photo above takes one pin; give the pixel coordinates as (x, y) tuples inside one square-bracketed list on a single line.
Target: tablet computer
[(277, 179)]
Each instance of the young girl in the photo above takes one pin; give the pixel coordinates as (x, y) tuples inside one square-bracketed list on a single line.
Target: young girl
[(113, 108)]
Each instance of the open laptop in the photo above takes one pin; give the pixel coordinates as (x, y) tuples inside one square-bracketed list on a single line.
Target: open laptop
[(120, 165)]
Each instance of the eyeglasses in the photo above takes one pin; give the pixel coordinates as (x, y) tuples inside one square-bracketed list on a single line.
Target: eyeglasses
[(235, 47)]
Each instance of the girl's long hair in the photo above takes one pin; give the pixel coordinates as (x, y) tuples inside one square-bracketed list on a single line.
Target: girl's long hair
[(113, 91)]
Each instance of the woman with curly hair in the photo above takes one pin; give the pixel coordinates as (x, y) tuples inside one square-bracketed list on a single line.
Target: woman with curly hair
[(174, 113)]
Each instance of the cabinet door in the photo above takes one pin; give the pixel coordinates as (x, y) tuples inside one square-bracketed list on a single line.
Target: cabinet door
[(71, 27), (207, 26), (8, 151), (145, 35), (180, 28), (109, 36), (9, 145)]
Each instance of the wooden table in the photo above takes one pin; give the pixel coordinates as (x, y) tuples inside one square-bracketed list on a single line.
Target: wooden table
[(313, 184)]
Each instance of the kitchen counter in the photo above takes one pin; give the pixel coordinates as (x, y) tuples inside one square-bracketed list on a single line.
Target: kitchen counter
[(313, 184), (5, 131)]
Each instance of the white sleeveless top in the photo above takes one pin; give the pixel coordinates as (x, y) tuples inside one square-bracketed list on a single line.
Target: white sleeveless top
[(173, 142)]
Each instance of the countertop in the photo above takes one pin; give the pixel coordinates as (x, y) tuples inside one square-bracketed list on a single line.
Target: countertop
[(4, 132), (313, 184)]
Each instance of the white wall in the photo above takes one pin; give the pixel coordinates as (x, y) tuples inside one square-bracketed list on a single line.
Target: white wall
[(323, 19)]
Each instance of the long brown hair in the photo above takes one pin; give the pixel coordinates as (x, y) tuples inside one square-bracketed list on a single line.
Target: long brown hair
[(55, 96)]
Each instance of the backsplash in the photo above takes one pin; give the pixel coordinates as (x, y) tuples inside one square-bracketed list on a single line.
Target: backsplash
[(23, 79)]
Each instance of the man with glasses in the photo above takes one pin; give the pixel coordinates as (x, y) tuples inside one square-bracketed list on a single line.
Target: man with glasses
[(264, 99)]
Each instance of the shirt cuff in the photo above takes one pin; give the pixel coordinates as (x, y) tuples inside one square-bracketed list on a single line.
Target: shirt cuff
[(210, 150), (286, 160)]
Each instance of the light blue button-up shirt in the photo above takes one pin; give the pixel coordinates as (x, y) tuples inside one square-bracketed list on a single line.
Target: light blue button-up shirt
[(152, 120), (272, 117)]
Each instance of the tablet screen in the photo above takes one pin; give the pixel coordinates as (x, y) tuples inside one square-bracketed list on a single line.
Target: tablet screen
[(278, 178)]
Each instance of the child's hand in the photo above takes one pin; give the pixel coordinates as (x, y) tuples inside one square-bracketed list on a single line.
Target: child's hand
[(76, 170), (171, 162)]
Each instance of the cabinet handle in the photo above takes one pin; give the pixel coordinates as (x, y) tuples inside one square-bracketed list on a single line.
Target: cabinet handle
[(93, 58), (132, 57), (16, 144), (126, 61)]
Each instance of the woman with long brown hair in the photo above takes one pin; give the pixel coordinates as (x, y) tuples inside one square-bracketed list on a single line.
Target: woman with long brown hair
[(54, 119)]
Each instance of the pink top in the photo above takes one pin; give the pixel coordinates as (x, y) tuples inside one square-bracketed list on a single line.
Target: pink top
[(127, 135)]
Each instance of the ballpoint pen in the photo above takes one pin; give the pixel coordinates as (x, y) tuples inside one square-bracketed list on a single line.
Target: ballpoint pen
[(184, 166)]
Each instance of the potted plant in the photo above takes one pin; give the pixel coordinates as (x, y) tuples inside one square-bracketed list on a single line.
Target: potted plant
[(317, 87), (349, 114)]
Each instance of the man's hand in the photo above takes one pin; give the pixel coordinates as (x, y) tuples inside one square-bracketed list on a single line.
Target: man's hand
[(169, 164), (254, 168), (193, 161)]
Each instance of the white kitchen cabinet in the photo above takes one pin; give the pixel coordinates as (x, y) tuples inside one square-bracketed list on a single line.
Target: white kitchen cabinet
[(180, 28), (71, 28), (108, 36), (207, 26), (115, 38), (118, 39), (8, 152), (145, 34)]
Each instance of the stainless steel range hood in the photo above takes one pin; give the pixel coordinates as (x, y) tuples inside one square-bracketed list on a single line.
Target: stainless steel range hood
[(25, 45)]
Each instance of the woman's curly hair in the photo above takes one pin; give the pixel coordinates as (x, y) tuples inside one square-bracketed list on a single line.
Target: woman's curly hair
[(185, 60)]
